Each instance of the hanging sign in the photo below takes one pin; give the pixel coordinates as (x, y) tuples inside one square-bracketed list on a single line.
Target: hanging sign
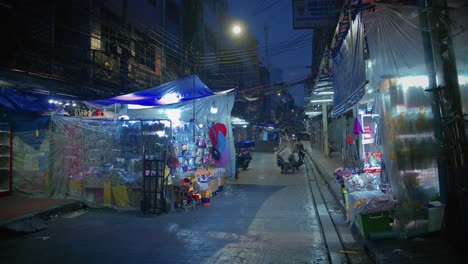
[(314, 13)]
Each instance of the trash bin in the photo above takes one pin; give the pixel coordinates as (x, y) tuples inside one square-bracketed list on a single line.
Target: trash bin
[(435, 215)]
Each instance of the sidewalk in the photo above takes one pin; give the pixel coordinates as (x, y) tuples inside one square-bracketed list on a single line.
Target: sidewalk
[(427, 250), (25, 214)]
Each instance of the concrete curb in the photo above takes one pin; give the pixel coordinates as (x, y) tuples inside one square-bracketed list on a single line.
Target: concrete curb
[(44, 214), (332, 186)]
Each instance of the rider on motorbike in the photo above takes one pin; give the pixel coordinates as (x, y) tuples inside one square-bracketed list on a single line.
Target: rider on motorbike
[(287, 157), (300, 152)]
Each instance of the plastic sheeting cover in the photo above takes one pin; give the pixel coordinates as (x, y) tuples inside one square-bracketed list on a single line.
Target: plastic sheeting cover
[(183, 113), (349, 76), (395, 42), (27, 101), (180, 90)]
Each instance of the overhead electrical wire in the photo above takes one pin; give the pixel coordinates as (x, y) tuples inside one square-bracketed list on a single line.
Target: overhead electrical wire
[(282, 47), (297, 77), (263, 9), (275, 51), (179, 48)]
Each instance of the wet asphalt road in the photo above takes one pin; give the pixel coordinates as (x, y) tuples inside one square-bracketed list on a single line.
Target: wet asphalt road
[(264, 217)]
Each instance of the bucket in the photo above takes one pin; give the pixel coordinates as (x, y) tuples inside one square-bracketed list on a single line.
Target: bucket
[(435, 213), (206, 201)]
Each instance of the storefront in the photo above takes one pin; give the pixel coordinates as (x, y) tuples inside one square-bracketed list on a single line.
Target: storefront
[(392, 188)]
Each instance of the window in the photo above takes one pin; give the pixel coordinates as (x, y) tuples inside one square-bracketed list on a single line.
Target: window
[(145, 52)]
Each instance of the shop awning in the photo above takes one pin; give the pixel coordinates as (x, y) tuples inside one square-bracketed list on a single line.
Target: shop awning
[(173, 92), (20, 100)]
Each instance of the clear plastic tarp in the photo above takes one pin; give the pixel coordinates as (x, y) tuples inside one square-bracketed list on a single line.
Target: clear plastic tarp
[(100, 161), (97, 161), (398, 71)]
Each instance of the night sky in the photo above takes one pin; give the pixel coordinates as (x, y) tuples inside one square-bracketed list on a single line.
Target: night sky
[(292, 59)]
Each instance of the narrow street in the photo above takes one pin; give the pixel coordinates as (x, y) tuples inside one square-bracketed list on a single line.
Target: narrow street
[(263, 217)]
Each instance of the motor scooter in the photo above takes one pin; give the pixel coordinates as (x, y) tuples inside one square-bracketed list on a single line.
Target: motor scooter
[(294, 161), (243, 156), (301, 151)]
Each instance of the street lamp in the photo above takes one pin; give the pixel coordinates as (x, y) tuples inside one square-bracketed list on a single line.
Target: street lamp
[(236, 29)]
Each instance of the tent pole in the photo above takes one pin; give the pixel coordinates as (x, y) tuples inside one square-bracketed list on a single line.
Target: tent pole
[(193, 106)]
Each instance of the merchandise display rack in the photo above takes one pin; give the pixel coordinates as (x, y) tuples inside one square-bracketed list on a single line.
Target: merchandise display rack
[(154, 181), (155, 138)]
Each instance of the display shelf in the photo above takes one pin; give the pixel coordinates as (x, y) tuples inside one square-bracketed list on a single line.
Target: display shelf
[(155, 136), (154, 186), (192, 154)]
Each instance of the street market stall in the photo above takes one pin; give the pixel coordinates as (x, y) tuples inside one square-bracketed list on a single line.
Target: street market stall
[(398, 137), (201, 139), (102, 153)]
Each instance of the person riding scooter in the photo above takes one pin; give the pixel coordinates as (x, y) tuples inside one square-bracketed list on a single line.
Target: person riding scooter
[(287, 158), (301, 153)]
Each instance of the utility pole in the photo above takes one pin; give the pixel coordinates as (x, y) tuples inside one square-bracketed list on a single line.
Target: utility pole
[(431, 73), (325, 129), (266, 30), (164, 41)]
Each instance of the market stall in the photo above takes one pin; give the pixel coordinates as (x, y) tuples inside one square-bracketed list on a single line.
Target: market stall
[(102, 152), (368, 197), (201, 134), (396, 115)]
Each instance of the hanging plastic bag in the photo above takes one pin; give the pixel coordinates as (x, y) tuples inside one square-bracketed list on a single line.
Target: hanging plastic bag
[(121, 196)]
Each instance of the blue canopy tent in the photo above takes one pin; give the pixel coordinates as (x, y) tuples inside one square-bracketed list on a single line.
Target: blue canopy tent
[(183, 101), (177, 91), (23, 110)]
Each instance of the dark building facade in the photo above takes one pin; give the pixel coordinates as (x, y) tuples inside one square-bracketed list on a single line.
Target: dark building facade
[(91, 49)]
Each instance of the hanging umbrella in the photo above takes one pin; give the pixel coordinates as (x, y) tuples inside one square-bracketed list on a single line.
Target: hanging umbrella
[(357, 126)]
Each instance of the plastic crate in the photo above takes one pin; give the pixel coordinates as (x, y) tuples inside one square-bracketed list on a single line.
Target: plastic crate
[(373, 223)]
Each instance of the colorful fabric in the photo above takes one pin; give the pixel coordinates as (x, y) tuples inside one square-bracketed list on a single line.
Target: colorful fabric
[(215, 131)]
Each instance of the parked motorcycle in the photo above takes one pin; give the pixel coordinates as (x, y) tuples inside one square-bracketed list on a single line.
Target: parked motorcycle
[(243, 156)]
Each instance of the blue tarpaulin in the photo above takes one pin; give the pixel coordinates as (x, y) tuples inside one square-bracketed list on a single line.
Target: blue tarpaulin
[(349, 76), (177, 91), (19, 100)]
